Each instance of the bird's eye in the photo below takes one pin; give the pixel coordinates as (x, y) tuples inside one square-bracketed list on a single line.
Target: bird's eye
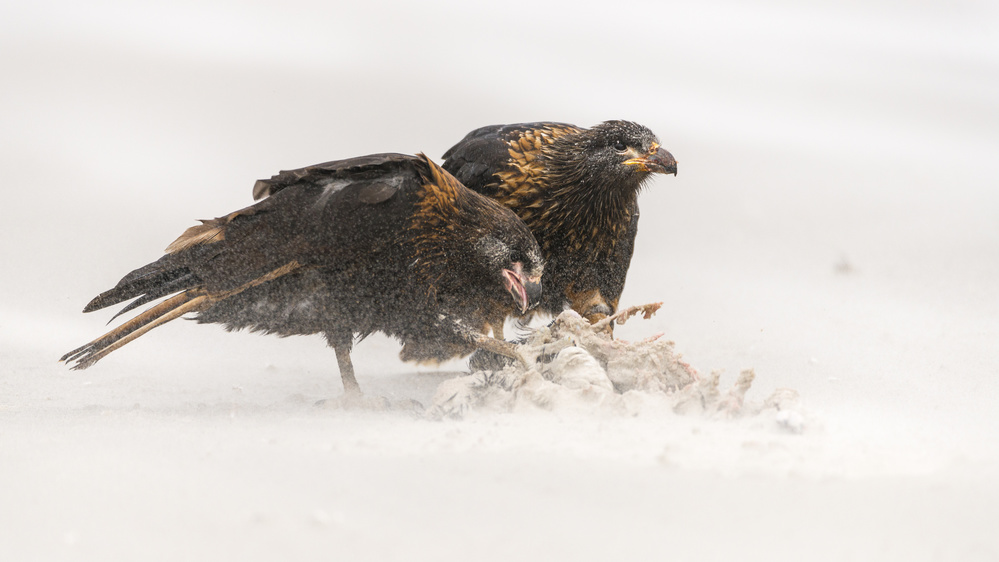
[(516, 257), (619, 146)]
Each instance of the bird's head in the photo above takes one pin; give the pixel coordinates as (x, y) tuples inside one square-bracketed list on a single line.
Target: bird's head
[(616, 152), (512, 258), (484, 244)]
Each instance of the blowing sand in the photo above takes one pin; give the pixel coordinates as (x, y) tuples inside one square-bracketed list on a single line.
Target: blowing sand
[(834, 227)]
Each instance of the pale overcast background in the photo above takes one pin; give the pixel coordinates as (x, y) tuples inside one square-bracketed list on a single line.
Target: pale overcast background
[(834, 225)]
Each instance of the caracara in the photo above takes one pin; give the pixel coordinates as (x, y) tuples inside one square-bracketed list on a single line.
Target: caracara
[(382, 243), (577, 190)]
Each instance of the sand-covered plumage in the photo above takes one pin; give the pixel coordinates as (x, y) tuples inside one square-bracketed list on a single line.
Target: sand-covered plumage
[(386, 242)]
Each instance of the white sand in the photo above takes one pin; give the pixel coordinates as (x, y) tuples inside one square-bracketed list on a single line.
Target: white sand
[(834, 226)]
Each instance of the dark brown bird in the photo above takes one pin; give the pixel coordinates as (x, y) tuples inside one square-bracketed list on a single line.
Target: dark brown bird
[(386, 242), (577, 190)]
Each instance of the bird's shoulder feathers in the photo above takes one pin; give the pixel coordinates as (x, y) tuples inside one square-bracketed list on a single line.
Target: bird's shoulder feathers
[(505, 161)]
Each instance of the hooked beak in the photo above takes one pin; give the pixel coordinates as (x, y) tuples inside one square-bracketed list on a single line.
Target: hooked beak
[(526, 291), (657, 161)]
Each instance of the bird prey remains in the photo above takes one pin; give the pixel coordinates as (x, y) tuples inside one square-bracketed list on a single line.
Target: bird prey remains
[(577, 190), (386, 242)]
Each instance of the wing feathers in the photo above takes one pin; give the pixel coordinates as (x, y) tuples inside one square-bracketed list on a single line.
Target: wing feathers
[(285, 178), (139, 282), (208, 231)]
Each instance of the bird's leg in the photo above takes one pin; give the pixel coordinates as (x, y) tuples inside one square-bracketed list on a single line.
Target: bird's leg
[(350, 385), (352, 397), (341, 347), (498, 331)]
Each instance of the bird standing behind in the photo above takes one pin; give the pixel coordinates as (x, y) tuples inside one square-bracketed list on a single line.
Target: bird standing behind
[(577, 190), (386, 242)]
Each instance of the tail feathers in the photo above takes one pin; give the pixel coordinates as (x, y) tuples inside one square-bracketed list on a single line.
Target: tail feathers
[(162, 313), (151, 294), (149, 279)]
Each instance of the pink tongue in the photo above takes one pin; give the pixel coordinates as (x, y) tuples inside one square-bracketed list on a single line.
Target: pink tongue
[(523, 298), (509, 278)]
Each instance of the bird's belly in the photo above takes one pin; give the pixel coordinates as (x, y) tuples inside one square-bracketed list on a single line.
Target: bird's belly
[(290, 305)]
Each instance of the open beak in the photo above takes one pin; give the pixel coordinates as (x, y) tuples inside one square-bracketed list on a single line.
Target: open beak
[(657, 161), (526, 291)]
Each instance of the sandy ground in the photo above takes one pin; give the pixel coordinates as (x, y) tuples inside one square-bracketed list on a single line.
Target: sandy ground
[(835, 226)]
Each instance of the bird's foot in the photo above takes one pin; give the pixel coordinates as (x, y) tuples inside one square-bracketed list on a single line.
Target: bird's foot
[(485, 360)]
